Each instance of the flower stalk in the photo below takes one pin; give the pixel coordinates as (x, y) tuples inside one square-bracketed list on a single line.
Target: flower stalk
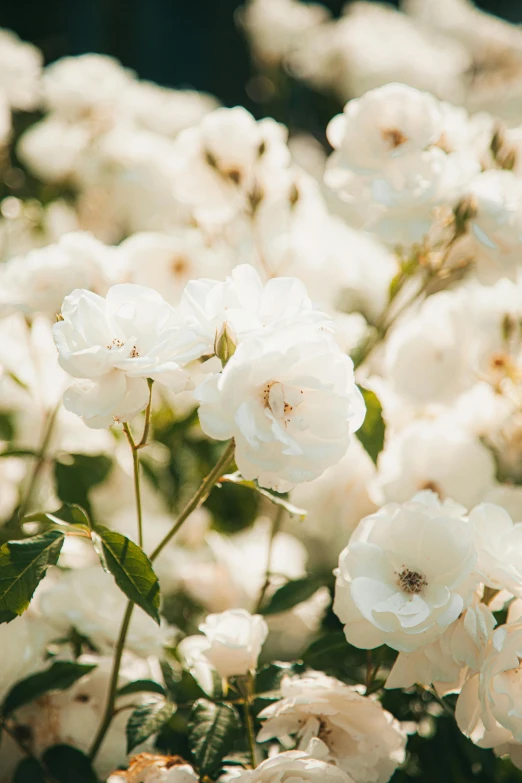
[(197, 499)]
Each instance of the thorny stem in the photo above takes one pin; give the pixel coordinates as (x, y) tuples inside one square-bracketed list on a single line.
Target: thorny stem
[(41, 455), (276, 526), (198, 498)]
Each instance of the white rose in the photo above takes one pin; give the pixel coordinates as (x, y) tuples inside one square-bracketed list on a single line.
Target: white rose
[(436, 455), (447, 661), (89, 600), (247, 306), (73, 716), (115, 344), (77, 85), (499, 545), (38, 282), (21, 70), (23, 644), (489, 708), (426, 356), (150, 768), (497, 226), (52, 149), (234, 641), (406, 574), (290, 402), (292, 767), (389, 123), (276, 26), (225, 160), (167, 262), (333, 721)]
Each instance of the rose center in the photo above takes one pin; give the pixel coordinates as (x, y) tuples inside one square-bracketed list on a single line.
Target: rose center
[(393, 137), (411, 582), (116, 343), (273, 395)]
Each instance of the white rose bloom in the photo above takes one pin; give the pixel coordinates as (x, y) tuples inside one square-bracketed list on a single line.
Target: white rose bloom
[(165, 111), (52, 149), (290, 402), (114, 345), (433, 454), (371, 45), (343, 490), (39, 281), (236, 572), (275, 27), (167, 262), (334, 722), (384, 125), (489, 708), (234, 641), (73, 716), (151, 768), (447, 661), (74, 86), (291, 632), (225, 161), (499, 545), (406, 574), (89, 600), (497, 226), (20, 71), (291, 767), (23, 643), (425, 354), (247, 306)]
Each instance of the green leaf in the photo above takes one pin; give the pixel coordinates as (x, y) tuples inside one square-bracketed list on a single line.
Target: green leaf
[(291, 594), (330, 647), (76, 474), (130, 567), (58, 677), (29, 770), (146, 720), (68, 514), (212, 729), (22, 566), (278, 500), (69, 765), (268, 679), (372, 432), (142, 686)]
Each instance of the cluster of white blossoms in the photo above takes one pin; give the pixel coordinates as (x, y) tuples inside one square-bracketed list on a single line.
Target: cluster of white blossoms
[(286, 395), (261, 407)]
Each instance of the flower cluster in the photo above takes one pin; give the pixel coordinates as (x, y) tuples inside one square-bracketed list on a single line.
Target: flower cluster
[(261, 409)]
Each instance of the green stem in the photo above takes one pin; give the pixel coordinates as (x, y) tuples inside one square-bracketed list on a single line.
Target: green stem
[(199, 497), (247, 692), (113, 686), (41, 455), (276, 527), (143, 441), (137, 487)]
